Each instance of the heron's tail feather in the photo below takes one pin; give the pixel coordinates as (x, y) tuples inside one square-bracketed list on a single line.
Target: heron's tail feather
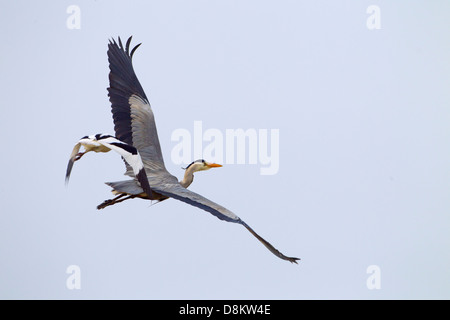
[(126, 186)]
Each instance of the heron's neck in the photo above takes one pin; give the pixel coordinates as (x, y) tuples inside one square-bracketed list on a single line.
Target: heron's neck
[(188, 177)]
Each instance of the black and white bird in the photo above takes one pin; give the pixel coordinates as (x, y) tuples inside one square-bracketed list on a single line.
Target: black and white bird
[(134, 125), (105, 143)]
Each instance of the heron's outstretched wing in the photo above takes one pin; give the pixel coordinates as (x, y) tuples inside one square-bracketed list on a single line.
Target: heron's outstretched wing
[(129, 153), (176, 191), (134, 122)]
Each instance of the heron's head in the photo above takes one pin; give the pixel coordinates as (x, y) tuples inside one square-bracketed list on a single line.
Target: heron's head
[(200, 165)]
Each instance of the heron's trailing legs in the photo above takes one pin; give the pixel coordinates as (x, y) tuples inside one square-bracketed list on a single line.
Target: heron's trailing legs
[(117, 199)]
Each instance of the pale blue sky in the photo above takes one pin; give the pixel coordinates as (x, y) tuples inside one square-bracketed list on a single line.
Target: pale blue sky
[(363, 119)]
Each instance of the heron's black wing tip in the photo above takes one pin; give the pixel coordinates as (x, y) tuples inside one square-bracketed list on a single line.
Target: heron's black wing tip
[(268, 245), (134, 49), (293, 260)]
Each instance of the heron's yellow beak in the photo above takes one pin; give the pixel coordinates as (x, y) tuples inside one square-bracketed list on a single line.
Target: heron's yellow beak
[(213, 165)]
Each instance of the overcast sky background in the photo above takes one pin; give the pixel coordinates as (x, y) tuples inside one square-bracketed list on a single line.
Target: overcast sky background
[(364, 175)]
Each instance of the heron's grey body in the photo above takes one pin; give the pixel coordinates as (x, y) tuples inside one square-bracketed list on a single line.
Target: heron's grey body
[(134, 124)]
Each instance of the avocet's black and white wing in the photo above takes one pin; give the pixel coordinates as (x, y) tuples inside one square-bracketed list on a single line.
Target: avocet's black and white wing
[(105, 143)]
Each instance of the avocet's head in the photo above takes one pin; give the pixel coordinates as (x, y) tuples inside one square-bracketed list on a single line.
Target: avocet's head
[(200, 165)]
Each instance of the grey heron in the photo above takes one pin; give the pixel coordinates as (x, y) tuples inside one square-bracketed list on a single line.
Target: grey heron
[(134, 125)]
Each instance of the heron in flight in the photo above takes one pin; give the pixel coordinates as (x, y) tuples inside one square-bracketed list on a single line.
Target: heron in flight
[(135, 127)]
